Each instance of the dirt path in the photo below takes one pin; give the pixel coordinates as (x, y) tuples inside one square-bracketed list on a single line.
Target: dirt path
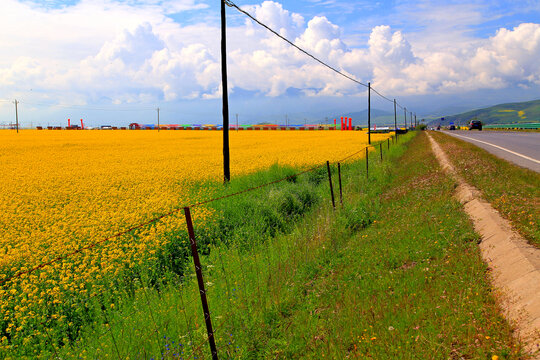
[(515, 265)]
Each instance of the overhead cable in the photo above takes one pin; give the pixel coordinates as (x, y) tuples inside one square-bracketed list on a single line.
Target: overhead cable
[(231, 4)]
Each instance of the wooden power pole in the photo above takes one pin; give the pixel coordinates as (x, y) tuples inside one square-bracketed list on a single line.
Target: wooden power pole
[(157, 119), (369, 113), (16, 116), (225, 96)]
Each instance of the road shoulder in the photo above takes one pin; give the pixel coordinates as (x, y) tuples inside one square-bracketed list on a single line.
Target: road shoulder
[(512, 190), (514, 263)]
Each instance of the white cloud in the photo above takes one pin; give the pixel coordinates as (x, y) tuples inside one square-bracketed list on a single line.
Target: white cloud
[(126, 53), (509, 58), (271, 13)]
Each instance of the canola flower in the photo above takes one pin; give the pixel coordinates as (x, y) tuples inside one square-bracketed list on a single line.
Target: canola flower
[(62, 190)]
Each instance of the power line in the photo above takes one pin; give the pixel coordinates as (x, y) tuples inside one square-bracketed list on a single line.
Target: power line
[(233, 5), (381, 95)]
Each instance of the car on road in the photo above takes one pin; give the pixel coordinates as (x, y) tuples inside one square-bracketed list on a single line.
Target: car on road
[(475, 124), (452, 127)]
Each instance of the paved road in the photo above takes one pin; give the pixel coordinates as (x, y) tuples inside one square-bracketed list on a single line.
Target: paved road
[(521, 148)]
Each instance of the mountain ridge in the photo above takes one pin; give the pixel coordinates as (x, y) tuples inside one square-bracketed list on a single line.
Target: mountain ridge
[(506, 113)]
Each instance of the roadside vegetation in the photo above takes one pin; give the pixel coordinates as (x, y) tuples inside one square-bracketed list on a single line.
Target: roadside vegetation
[(512, 190), (394, 272)]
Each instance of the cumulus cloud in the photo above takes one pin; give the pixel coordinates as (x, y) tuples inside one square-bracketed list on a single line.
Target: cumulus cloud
[(138, 53), (509, 58), (511, 54), (271, 13)]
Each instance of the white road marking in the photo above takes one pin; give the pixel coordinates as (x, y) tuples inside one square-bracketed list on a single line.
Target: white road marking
[(500, 147)]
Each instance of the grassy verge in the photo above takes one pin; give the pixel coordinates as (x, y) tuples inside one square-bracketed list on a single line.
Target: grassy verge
[(411, 285), (512, 190), (394, 273)]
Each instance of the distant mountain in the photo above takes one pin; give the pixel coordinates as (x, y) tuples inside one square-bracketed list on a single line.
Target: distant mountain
[(521, 112)]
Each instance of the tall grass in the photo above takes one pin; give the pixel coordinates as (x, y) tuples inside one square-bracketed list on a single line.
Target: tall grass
[(393, 273), (242, 226)]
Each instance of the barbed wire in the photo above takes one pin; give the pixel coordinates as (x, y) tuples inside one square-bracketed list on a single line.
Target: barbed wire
[(195, 348), (156, 219)]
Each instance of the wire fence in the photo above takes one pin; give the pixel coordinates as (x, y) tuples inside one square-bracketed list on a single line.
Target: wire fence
[(238, 277), (143, 315)]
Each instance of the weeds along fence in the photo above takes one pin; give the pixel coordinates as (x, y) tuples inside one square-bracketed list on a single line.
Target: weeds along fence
[(242, 258)]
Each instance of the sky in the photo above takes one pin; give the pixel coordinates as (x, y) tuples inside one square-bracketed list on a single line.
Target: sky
[(117, 61)]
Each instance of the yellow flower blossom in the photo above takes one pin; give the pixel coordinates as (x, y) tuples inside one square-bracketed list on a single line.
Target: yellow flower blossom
[(63, 190)]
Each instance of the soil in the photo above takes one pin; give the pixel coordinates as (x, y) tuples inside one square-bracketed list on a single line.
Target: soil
[(514, 264)]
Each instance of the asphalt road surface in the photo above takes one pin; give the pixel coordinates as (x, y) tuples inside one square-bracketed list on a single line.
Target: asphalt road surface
[(521, 148)]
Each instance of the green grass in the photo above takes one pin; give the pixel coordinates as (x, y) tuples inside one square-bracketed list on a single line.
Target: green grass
[(512, 190), (394, 273)]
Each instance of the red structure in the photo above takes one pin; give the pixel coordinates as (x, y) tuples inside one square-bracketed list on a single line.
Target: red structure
[(82, 125)]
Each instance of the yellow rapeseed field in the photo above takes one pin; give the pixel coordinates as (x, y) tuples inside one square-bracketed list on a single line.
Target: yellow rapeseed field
[(61, 190)]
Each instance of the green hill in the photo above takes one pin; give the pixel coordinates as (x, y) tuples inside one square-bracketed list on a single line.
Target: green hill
[(511, 113)]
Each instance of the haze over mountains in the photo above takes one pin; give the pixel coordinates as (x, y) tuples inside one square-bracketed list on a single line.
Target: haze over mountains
[(507, 113)]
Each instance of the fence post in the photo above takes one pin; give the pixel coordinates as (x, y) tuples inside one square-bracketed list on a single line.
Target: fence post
[(200, 280), (380, 149), (340, 189), (388, 140), (331, 187), (367, 162)]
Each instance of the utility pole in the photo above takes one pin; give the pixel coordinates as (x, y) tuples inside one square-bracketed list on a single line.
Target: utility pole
[(225, 96), (395, 117), (415, 123), (157, 119), (369, 113), (286, 120), (16, 115), (405, 112), (236, 122), (410, 112)]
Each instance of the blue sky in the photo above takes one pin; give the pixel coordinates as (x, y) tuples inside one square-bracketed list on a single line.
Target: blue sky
[(115, 62)]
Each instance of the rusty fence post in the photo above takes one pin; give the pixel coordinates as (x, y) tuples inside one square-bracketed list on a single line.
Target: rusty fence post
[(198, 270), (340, 188), (367, 162), (331, 187)]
